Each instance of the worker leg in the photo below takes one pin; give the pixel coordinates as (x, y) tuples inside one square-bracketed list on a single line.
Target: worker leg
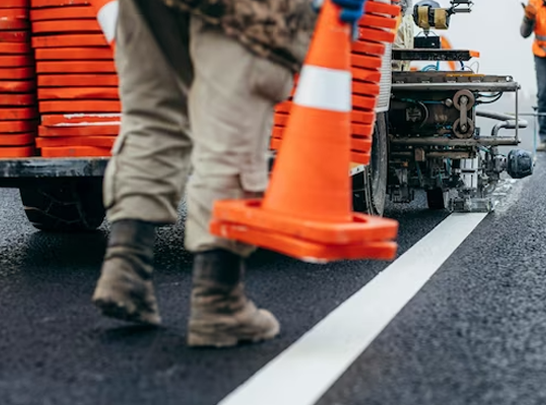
[(145, 177), (231, 110), (148, 170), (540, 66), (232, 102)]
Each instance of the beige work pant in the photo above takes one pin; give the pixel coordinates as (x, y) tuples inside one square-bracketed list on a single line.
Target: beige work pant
[(188, 92)]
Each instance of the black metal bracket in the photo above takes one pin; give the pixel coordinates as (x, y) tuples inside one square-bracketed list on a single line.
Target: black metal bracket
[(442, 55), (41, 168)]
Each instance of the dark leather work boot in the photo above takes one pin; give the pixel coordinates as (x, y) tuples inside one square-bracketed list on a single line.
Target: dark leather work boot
[(221, 315), (125, 290)]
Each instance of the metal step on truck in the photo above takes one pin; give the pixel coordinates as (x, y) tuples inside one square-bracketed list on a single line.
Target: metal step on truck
[(426, 134)]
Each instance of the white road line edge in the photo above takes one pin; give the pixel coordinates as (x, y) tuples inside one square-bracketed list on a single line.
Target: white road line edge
[(308, 368)]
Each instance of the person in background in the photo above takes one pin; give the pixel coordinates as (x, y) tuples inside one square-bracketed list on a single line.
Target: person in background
[(534, 21), (404, 34)]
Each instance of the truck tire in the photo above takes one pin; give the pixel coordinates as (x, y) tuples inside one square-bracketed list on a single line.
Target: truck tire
[(437, 199), (370, 186), (71, 205)]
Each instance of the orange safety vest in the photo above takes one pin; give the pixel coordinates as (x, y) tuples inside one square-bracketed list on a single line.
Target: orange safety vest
[(539, 46)]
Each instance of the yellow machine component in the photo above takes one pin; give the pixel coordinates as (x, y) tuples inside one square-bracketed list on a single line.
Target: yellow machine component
[(428, 17), (422, 17), (441, 19), (427, 14)]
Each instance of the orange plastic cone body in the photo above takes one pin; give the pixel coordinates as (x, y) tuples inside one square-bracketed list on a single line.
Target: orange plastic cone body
[(306, 212), (299, 195)]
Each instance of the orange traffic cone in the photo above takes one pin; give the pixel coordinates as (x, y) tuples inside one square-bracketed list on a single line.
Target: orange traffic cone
[(306, 212)]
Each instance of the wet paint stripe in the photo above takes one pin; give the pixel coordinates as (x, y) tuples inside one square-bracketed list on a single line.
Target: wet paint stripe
[(305, 371)]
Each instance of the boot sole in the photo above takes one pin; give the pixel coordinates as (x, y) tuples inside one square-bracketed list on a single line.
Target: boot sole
[(226, 340), (112, 309)]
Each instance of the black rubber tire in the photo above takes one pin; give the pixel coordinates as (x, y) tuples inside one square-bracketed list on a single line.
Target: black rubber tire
[(71, 205), (436, 199), (370, 186)]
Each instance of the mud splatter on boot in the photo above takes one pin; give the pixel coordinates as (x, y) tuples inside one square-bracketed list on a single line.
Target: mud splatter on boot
[(221, 315), (125, 290)]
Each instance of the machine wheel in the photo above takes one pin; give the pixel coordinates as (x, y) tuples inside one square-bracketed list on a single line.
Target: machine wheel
[(370, 186), (437, 199), (65, 205)]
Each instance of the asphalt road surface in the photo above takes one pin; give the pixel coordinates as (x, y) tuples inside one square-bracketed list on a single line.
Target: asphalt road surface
[(475, 333)]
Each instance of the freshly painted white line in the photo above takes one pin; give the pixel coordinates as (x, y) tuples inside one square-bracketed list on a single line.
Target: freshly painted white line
[(307, 369)]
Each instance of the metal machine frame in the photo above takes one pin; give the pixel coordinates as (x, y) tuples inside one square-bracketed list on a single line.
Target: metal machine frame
[(46, 182), (435, 143)]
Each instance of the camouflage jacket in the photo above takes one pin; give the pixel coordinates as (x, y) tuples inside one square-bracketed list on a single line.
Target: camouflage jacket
[(279, 30)]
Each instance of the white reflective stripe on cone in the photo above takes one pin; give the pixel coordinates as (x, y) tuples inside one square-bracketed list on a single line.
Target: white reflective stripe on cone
[(108, 19), (325, 89)]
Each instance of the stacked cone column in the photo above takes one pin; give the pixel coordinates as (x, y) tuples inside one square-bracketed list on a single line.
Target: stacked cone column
[(375, 29), (306, 211), (77, 82), (18, 113)]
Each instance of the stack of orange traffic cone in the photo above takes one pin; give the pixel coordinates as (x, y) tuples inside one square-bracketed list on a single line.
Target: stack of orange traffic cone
[(77, 82), (306, 212), (376, 28), (18, 113)]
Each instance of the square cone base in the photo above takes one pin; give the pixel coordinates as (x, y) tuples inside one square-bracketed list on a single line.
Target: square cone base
[(18, 113), (78, 93), (84, 141), (17, 86), (62, 13), (80, 106), (17, 151), (304, 250), (19, 36), (17, 127), (14, 48), (17, 74), (73, 53), (52, 120), (76, 67), (78, 80), (17, 139), (359, 229), (58, 3), (70, 26), (14, 4), (15, 61), (72, 40), (79, 130), (75, 151)]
